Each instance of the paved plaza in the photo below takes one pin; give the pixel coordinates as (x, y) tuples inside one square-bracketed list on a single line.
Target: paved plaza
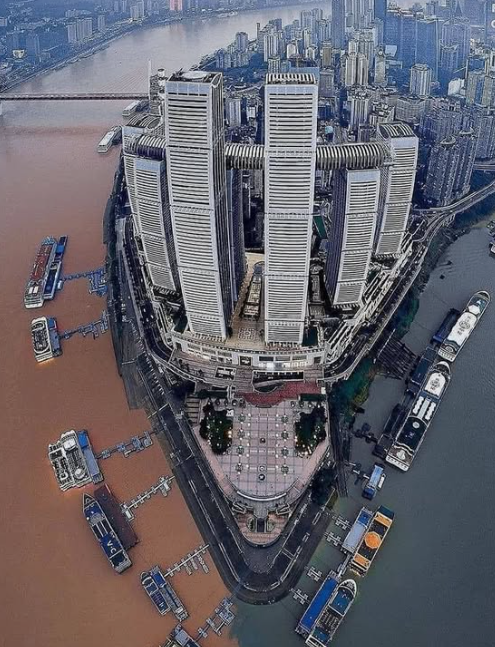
[(262, 462)]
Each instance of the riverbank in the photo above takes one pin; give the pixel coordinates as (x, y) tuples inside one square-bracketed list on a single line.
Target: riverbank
[(214, 14), (350, 395)]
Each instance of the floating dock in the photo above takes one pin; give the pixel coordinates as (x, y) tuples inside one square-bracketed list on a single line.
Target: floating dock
[(73, 460)]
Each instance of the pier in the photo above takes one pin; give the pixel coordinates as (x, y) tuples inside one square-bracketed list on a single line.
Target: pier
[(134, 444), (188, 563), (95, 328), (162, 486), (222, 617), (97, 280)]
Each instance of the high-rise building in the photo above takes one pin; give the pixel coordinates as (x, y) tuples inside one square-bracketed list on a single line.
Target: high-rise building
[(198, 198), (291, 103), (101, 22), (397, 185), (442, 119), (420, 81), (450, 168), (337, 27), (72, 32), (380, 74), (467, 143), (84, 28), (350, 69), (326, 84), (235, 201), (401, 32), (233, 111), (242, 41), (457, 31), (355, 208), (380, 10), (145, 171), (488, 96), (33, 46), (448, 65), (175, 5), (427, 43), (484, 129), (326, 55), (362, 70), (359, 108), (474, 87)]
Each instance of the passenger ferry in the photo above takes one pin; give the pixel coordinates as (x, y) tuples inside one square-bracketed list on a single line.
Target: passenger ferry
[(424, 407), (105, 534), (154, 593), (333, 614), (162, 594), (108, 140), (35, 287), (129, 110), (44, 335), (464, 326)]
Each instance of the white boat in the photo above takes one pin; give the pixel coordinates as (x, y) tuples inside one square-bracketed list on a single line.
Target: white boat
[(464, 326), (106, 143)]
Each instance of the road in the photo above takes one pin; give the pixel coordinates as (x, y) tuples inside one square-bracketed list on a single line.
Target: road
[(257, 575)]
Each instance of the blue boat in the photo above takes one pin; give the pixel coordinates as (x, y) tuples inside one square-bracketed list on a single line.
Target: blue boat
[(154, 593), (105, 534), (332, 615)]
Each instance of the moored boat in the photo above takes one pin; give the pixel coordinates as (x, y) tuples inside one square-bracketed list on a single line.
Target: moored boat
[(35, 287), (412, 433), (464, 326), (105, 534), (333, 614)]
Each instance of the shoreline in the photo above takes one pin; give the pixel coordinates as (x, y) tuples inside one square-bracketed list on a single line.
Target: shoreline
[(220, 14), (441, 242)]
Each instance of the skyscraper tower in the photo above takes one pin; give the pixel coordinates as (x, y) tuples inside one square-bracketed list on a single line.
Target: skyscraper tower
[(420, 81), (145, 170), (397, 185), (355, 207), (291, 102), (337, 27), (427, 44), (442, 170), (198, 198)]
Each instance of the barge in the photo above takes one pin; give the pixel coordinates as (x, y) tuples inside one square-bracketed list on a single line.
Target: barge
[(372, 541)]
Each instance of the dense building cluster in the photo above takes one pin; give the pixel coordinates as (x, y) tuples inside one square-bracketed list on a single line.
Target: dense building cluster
[(333, 220), (272, 222)]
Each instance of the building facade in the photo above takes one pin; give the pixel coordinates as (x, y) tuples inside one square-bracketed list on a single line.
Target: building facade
[(291, 103)]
